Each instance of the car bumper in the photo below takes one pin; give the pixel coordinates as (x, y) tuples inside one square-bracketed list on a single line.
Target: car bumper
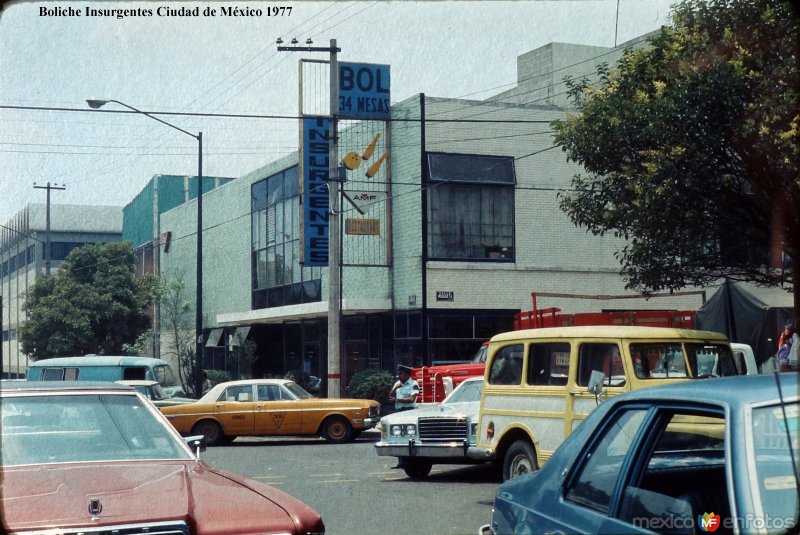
[(443, 450), (366, 423), (481, 454)]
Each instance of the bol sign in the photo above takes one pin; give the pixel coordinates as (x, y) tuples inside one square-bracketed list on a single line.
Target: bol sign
[(364, 91)]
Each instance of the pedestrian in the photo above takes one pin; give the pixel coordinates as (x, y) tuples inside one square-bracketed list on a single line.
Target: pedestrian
[(405, 391), (404, 394), (788, 348)]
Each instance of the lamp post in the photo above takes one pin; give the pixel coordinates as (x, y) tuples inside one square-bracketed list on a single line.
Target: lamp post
[(198, 326)]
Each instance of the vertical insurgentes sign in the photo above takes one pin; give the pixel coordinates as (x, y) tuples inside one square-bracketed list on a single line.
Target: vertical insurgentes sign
[(316, 208)]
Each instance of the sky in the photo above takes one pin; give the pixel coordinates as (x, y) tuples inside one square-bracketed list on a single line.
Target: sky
[(230, 65)]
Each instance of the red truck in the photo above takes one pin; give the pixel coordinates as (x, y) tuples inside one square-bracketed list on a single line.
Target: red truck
[(435, 382)]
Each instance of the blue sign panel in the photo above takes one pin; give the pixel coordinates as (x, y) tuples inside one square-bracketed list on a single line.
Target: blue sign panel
[(364, 91), (316, 146)]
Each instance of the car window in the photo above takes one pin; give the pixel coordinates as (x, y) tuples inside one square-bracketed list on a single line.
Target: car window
[(658, 361), (594, 485), (605, 358), (775, 431), (269, 393), (78, 428), (466, 391), (507, 366), (710, 359), (237, 393), (549, 364)]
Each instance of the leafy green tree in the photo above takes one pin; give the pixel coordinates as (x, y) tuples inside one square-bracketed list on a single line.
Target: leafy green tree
[(690, 147), (92, 304)]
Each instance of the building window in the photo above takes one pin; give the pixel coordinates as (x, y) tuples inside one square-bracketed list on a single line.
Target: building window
[(278, 278), (470, 207)]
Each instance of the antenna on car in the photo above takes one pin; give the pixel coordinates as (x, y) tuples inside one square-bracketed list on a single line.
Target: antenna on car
[(786, 428)]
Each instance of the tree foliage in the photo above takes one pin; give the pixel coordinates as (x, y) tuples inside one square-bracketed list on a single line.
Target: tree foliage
[(691, 148), (92, 304)]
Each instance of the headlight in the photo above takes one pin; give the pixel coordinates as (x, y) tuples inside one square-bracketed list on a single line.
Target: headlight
[(403, 430)]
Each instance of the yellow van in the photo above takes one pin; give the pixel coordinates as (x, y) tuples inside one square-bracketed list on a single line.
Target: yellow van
[(540, 384)]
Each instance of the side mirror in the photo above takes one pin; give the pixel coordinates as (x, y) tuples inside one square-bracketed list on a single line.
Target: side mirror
[(596, 381), (197, 443)]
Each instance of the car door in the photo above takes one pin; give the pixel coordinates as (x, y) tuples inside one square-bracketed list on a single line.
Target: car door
[(235, 409), (650, 468), (277, 411)]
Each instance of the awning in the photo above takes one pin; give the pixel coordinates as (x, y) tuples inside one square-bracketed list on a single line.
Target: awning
[(240, 335)]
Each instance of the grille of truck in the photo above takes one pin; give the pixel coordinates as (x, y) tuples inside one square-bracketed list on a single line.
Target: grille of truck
[(442, 429)]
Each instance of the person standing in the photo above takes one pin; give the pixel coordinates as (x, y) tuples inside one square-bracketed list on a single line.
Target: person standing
[(405, 391)]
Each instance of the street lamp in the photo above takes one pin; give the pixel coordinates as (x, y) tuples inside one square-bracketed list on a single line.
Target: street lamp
[(198, 326)]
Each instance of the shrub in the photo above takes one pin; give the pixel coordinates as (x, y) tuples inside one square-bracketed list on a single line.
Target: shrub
[(371, 384), (217, 376)]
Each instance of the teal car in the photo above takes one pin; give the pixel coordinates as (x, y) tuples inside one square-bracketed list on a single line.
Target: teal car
[(434, 434), (717, 455)]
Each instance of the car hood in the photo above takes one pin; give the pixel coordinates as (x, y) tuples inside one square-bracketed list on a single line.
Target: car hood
[(465, 408), (209, 501)]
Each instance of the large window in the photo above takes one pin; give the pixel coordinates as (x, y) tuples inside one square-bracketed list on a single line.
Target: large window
[(278, 278), (471, 207)]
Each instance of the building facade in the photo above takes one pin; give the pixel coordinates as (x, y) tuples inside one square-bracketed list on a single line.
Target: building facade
[(465, 227), (22, 259)]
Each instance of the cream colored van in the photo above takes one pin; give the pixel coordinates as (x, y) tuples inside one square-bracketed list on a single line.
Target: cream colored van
[(540, 384)]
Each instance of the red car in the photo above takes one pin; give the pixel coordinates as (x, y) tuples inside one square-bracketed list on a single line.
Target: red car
[(97, 457)]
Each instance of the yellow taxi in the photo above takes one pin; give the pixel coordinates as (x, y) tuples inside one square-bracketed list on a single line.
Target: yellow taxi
[(271, 407)]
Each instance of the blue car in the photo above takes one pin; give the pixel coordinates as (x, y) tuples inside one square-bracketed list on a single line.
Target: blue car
[(714, 456)]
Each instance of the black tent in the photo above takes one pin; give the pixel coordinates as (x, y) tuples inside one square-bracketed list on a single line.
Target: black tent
[(748, 314)]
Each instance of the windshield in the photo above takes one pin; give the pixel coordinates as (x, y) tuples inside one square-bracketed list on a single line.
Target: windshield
[(79, 428), (775, 431), (466, 391), (297, 390), (165, 375), (658, 361)]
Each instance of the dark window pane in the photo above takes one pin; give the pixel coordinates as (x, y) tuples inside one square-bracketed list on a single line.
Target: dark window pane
[(488, 326), (274, 189), (471, 222), (465, 168), (549, 364), (451, 327), (414, 325), (258, 195), (290, 183), (401, 325), (600, 357)]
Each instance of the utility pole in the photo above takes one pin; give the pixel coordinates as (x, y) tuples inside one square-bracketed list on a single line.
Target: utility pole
[(47, 254), (334, 223)]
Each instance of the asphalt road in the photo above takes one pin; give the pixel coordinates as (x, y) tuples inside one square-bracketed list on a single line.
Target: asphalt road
[(356, 491)]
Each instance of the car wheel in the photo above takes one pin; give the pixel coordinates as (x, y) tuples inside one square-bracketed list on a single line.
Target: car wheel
[(209, 429), (417, 469), (337, 430), (520, 459)]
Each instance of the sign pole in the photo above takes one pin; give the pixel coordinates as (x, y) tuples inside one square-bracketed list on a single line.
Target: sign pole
[(334, 239)]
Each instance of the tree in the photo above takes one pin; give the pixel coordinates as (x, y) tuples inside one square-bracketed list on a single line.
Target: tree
[(691, 149), (92, 304), (242, 354), (176, 322)]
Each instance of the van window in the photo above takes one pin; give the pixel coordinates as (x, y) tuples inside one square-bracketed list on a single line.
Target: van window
[(601, 357), (134, 374), (549, 364), (710, 360), (507, 366), (59, 374), (658, 361)]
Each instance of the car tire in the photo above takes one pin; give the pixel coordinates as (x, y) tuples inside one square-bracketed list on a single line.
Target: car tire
[(416, 469), (209, 429), (520, 459), (337, 430)]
